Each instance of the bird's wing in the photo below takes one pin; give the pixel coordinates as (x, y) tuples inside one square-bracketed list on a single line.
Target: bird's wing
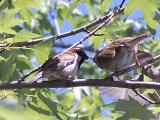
[(59, 61), (106, 52), (144, 55), (109, 51)]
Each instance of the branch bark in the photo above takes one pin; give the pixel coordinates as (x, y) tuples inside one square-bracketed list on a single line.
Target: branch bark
[(133, 84), (63, 35), (87, 48), (152, 72), (132, 67)]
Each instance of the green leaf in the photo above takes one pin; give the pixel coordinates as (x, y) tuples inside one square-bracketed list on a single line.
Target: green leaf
[(67, 98), (23, 62), (24, 36), (103, 5), (7, 69), (149, 11), (73, 5), (133, 109), (2, 59), (42, 51), (86, 107), (25, 6), (96, 97), (10, 113), (45, 106), (4, 4), (7, 21), (149, 91), (111, 32), (96, 40)]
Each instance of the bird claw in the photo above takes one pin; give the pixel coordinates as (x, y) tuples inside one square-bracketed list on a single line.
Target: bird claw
[(70, 78)]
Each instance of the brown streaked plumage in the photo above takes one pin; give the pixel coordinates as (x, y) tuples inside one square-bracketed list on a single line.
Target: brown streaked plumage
[(120, 53), (63, 66)]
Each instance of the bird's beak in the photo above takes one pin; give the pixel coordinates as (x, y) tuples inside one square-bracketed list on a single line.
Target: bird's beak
[(142, 37), (136, 40), (86, 57)]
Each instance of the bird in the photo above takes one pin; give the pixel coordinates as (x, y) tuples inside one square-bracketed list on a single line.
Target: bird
[(121, 53), (63, 66)]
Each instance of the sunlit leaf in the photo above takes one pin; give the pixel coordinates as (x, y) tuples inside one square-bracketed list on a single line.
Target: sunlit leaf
[(73, 5), (8, 21), (104, 4), (42, 51), (149, 14)]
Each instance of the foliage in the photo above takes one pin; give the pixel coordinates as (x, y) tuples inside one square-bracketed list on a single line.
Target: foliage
[(23, 20)]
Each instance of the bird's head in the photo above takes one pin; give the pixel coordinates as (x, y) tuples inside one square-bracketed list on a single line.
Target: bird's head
[(136, 40), (80, 52)]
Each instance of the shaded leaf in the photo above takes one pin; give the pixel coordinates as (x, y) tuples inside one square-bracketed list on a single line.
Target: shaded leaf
[(7, 68), (23, 62), (132, 109)]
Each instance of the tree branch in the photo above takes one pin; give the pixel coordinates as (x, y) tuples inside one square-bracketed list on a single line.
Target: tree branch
[(66, 34), (152, 72), (87, 48), (145, 98), (122, 3), (133, 84), (132, 67), (113, 14)]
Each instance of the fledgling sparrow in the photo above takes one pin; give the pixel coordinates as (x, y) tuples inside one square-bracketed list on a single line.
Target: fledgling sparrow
[(63, 66), (120, 53)]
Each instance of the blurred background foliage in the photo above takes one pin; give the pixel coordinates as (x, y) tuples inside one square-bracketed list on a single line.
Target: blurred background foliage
[(22, 20)]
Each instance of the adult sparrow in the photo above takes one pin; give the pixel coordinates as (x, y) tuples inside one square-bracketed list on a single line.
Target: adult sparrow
[(63, 66), (120, 53)]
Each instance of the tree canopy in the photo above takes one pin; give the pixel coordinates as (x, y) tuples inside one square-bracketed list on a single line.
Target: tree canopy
[(31, 31)]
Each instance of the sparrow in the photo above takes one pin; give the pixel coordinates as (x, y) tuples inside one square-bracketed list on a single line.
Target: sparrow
[(63, 66), (121, 53)]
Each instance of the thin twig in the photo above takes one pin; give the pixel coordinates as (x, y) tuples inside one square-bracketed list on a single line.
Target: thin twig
[(116, 12), (145, 98), (95, 34), (63, 35), (132, 67), (122, 3), (5, 96), (132, 84), (59, 45), (85, 38), (28, 74)]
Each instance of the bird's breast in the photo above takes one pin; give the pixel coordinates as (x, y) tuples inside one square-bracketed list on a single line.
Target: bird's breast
[(72, 68)]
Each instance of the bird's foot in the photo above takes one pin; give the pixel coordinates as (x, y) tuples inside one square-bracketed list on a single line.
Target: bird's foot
[(112, 78), (70, 78)]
